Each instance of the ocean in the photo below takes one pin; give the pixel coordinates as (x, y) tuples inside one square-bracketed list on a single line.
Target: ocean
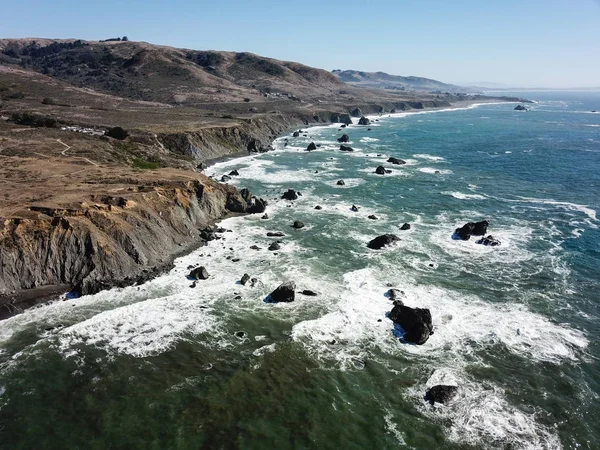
[(168, 366)]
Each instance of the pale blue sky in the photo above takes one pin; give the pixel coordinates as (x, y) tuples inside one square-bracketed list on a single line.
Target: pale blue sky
[(543, 43)]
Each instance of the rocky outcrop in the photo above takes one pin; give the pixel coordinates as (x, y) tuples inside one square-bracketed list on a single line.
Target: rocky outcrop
[(415, 322), (344, 138), (441, 394), (364, 121), (199, 273), (297, 224), (356, 112), (107, 241), (312, 146), (380, 170), (405, 227), (346, 148), (290, 194), (341, 183), (383, 240), (520, 108), (471, 229), (393, 160), (285, 292)]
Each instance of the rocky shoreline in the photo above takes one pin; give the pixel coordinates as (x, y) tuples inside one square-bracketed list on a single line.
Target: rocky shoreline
[(110, 241)]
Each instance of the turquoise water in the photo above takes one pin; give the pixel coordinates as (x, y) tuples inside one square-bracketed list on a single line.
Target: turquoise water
[(164, 365)]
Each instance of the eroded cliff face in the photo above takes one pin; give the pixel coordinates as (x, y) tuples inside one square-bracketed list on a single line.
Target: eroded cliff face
[(257, 134), (109, 241)]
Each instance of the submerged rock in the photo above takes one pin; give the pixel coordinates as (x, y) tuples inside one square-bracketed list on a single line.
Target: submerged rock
[(309, 293), (297, 224), (520, 108), (415, 322), (199, 273), (441, 394), (372, 217), (406, 226), (346, 148), (489, 240), (275, 234), (383, 240), (285, 292), (395, 294)]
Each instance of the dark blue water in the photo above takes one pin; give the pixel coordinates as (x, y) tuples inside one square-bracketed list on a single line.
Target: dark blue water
[(164, 365)]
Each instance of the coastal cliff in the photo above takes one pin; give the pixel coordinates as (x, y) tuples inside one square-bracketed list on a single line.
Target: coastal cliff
[(107, 241)]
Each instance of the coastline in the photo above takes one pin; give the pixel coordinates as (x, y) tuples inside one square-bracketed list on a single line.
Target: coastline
[(19, 300)]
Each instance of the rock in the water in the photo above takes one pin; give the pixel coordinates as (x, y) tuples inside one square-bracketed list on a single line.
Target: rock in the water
[(406, 226), (341, 183), (395, 294), (233, 173), (309, 293), (382, 241), (354, 208), (225, 178), (344, 138), (380, 170), (290, 195), (441, 394), (297, 224), (364, 121), (393, 160), (312, 146), (265, 216), (471, 229), (520, 108), (286, 292), (199, 273), (489, 240), (256, 206), (255, 247), (274, 246), (275, 234), (245, 279), (372, 217), (346, 148), (318, 207), (296, 134), (480, 228), (416, 322)]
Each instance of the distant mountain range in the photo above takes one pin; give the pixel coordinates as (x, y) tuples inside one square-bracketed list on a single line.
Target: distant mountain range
[(384, 80)]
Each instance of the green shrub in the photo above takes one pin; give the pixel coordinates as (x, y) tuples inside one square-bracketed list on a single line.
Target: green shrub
[(140, 163)]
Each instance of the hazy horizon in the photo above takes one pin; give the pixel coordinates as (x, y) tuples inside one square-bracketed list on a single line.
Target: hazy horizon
[(540, 44)]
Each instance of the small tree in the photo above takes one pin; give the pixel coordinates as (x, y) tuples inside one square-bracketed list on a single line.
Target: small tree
[(48, 101), (125, 38), (117, 133)]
